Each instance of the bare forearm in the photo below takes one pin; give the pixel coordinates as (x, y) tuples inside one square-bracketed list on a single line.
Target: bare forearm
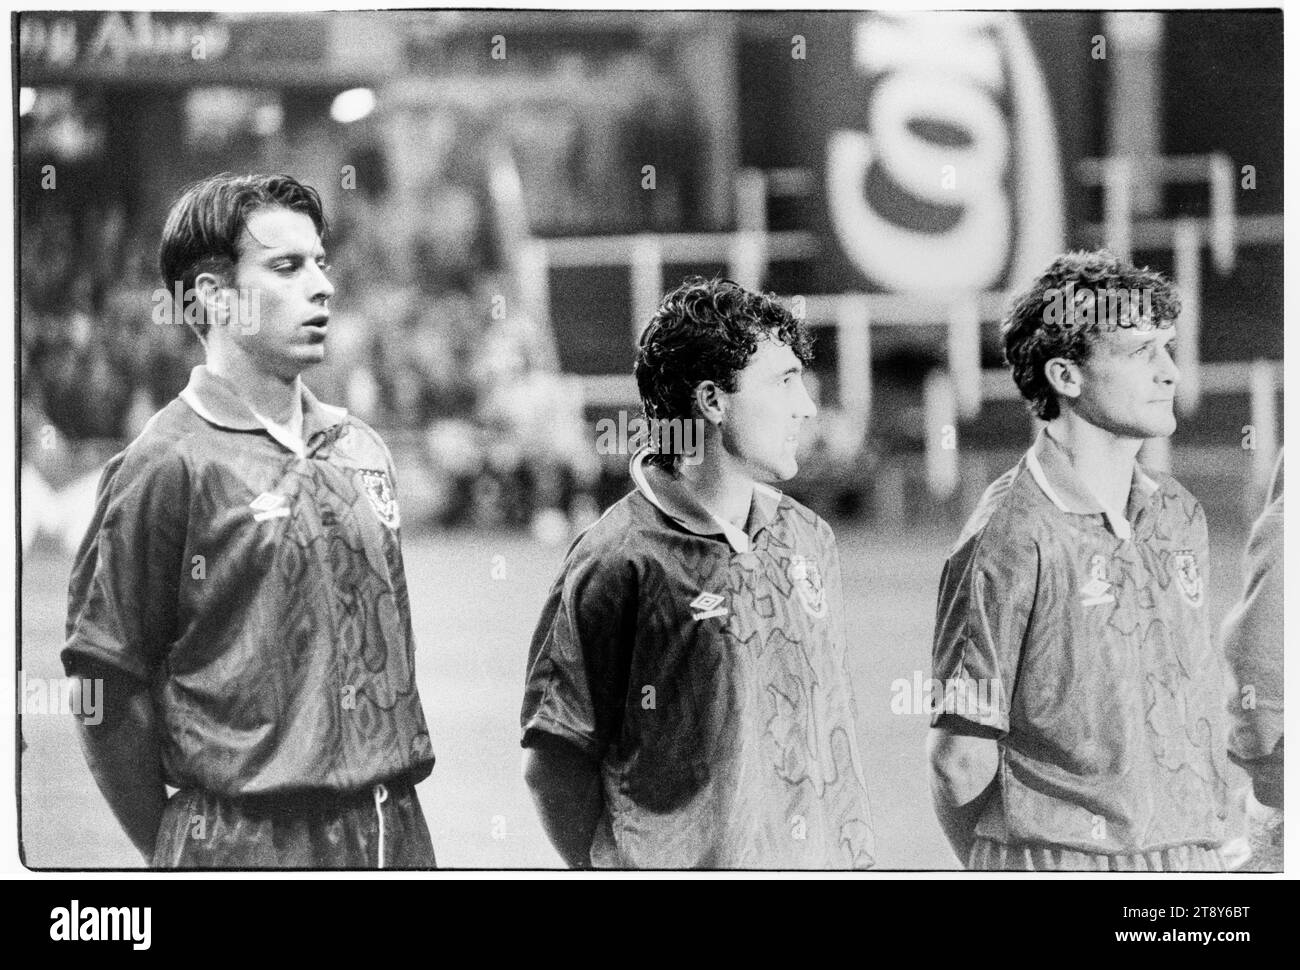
[(1266, 777), (566, 790), (123, 754), (963, 777), (958, 821)]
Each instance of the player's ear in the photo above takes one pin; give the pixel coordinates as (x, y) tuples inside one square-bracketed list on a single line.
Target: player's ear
[(1063, 376), (209, 290), (710, 402)]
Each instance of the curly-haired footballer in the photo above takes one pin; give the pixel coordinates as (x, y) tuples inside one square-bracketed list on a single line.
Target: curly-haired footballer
[(688, 702), (1082, 725)]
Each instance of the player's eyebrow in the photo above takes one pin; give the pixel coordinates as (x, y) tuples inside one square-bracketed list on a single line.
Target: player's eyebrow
[(792, 369), (271, 253)]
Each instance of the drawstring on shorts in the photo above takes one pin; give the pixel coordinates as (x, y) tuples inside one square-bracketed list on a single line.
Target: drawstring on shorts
[(381, 796)]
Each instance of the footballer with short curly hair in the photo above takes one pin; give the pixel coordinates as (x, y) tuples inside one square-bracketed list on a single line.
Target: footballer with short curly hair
[(706, 330), (687, 701), (1060, 315), (1082, 725)]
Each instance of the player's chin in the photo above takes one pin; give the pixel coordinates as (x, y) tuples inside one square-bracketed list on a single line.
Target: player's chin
[(782, 471), (1161, 426), (309, 354)]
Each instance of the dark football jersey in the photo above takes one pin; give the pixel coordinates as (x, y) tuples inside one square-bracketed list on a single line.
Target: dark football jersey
[(1082, 639), (260, 594), (707, 674)]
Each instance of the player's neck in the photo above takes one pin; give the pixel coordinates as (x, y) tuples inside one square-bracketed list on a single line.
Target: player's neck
[(719, 487), (1103, 461), (266, 395)]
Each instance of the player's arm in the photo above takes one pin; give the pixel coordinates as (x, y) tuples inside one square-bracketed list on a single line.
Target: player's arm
[(576, 689), (986, 597), (121, 748), (1266, 777), (963, 772), (1253, 645), (122, 602), (565, 785)]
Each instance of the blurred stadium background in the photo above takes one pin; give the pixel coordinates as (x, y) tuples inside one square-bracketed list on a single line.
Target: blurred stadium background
[(510, 193)]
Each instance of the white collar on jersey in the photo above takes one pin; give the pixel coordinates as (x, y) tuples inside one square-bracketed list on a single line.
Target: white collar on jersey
[(1083, 502), (738, 539), (219, 403)]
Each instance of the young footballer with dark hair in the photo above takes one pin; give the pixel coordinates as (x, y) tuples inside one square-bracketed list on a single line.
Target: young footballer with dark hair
[(1075, 600), (240, 590), (688, 702)]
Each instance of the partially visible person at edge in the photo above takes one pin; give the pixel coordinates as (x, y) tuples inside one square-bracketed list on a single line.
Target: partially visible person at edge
[(1254, 647)]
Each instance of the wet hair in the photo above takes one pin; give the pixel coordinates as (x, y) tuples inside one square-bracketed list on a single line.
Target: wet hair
[(706, 330), (202, 231), (1060, 315)]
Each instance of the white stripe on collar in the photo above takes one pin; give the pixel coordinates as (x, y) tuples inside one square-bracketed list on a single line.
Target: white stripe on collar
[(283, 433), (1118, 524), (738, 539), (197, 406), (1149, 484), (1040, 476)]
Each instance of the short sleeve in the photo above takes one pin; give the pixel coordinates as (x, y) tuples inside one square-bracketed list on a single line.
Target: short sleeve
[(389, 464), (126, 576), (986, 597), (1253, 644), (578, 663), (834, 584)]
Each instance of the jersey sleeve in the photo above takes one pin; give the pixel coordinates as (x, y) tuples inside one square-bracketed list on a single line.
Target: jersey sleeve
[(1253, 645), (986, 597), (126, 576), (576, 682)]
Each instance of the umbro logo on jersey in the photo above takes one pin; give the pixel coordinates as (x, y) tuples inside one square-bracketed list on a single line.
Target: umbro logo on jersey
[(707, 605), (268, 505), (1097, 591)]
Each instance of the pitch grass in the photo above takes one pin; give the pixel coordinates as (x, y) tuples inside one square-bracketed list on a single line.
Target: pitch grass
[(473, 614)]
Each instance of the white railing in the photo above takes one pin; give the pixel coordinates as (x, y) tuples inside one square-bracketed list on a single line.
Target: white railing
[(745, 251), (1259, 379), (957, 391), (1223, 232)]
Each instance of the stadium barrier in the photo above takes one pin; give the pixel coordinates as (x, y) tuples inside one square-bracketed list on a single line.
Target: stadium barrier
[(958, 391), (1261, 380)]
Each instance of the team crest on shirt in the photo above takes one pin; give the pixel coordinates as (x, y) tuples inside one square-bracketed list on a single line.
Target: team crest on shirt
[(1097, 592), (379, 489), (807, 581), (1189, 579)]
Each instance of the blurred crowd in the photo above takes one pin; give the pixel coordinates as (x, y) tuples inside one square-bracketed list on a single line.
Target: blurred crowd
[(427, 342)]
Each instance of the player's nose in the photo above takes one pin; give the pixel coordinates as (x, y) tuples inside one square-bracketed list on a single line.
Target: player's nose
[(321, 287), (807, 407), (1167, 371)]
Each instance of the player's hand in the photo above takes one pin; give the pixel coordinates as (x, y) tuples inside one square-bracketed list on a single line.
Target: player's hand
[(1264, 837)]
